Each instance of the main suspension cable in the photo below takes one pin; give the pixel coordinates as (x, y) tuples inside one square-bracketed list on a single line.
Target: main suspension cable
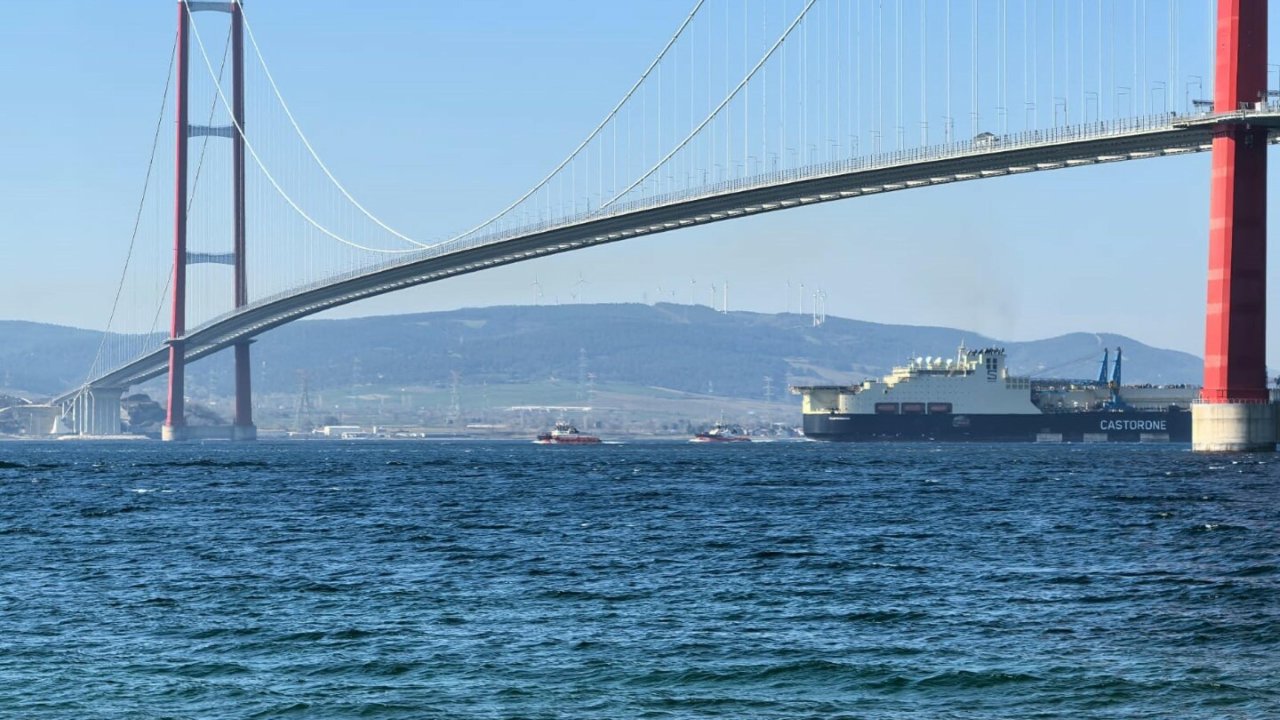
[(594, 133), (137, 219), (267, 173), (195, 184), (302, 136), (712, 116)]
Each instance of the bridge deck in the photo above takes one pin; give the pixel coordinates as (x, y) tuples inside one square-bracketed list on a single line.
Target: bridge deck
[(972, 160)]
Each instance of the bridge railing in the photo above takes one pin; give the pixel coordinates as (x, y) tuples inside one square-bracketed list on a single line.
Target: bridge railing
[(862, 163), (854, 165), (859, 164)]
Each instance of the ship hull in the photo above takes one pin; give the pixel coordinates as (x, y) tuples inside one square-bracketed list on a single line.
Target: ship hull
[(1127, 426), (580, 440)]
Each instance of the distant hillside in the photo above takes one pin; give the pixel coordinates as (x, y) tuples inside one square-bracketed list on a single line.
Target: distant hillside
[(681, 347), (43, 359)]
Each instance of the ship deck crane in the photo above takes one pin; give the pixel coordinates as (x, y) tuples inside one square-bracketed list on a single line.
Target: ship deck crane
[(1115, 401)]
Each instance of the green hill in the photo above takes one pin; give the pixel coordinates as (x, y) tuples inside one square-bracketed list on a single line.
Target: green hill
[(685, 348)]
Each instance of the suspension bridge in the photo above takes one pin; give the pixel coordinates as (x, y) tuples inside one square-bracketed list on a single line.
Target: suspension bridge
[(751, 106)]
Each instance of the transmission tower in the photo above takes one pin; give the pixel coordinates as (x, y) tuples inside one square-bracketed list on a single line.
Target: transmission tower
[(455, 403), (302, 413)]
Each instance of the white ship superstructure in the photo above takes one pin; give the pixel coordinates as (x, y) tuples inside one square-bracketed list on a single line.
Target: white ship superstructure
[(974, 397), (975, 381)]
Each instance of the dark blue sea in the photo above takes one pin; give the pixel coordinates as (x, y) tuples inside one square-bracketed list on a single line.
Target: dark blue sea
[(646, 580)]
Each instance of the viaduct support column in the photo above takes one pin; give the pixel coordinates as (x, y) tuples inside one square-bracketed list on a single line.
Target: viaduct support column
[(98, 412), (175, 424), (1235, 413)]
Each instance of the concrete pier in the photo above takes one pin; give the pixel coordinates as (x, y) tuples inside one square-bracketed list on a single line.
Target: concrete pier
[(208, 432), (1234, 427), (97, 411)]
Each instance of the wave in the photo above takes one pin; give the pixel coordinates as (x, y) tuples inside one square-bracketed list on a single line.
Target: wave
[(780, 554), (1256, 570), (97, 512), (885, 617), (204, 463), (977, 679), (591, 596)]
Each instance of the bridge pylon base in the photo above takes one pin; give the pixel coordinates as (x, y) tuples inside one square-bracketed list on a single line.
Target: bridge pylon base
[(1234, 427), (209, 432)]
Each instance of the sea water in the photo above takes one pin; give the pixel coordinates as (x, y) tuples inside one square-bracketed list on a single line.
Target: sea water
[(644, 580)]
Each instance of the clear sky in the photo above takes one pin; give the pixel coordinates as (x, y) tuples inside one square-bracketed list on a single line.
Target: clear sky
[(435, 114)]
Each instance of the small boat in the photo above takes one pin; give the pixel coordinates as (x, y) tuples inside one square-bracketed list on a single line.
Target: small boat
[(720, 433), (565, 434)]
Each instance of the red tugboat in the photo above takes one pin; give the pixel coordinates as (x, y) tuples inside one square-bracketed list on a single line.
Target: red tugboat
[(565, 434), (721, 433)]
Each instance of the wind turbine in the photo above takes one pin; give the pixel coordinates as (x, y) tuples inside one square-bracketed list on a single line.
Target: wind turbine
[(577, 285), (819, 307), (537, 291)]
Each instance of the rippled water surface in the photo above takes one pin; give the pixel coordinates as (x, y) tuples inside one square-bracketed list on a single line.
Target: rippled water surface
[(781, 580)]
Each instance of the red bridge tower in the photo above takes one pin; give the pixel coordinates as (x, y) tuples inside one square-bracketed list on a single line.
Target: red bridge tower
[(1235, 412), (175, 425)]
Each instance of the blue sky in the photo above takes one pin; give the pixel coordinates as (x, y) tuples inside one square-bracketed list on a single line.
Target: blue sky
[(436, 114)]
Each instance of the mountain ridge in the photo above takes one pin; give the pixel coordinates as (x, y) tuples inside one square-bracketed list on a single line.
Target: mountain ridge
[(689, 348)]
